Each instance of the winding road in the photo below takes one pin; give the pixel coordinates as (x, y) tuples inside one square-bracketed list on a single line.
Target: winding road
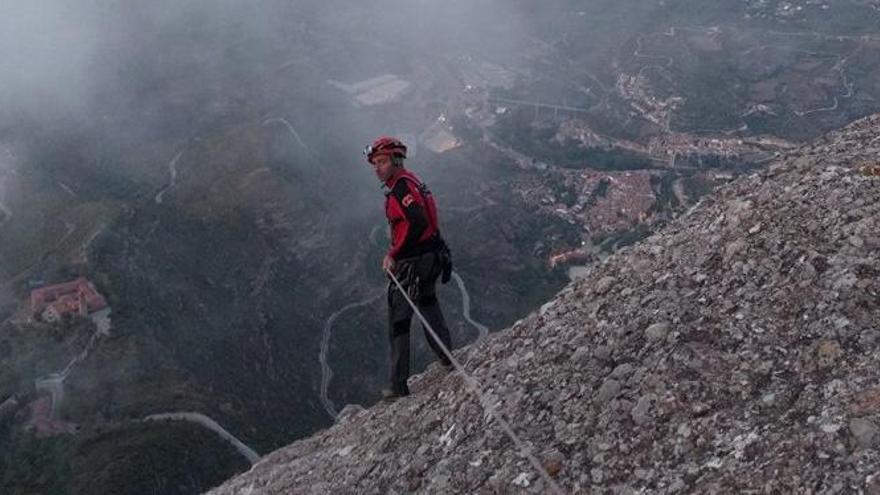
[(848, 87), (84, 249), (67, 189), (326, 372), (53, 383), (835, 101), (482, 330), (285, 123), (172, 171), (373, 233), (200, 419)]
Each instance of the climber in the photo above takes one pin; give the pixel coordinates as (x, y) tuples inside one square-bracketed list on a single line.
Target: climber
[(418, 256)]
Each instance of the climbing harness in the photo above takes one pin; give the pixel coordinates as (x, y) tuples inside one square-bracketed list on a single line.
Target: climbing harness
[(477, 390)]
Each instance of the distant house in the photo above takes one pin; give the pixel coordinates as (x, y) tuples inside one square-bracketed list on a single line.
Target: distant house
[(54, 302)]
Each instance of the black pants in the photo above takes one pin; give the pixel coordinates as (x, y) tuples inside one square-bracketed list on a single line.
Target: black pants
[(418, 276)]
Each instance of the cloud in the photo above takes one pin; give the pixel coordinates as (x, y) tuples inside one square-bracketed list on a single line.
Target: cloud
[(46, 48)]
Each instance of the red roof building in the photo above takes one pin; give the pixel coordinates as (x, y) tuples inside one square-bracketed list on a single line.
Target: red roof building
[(56, 301)]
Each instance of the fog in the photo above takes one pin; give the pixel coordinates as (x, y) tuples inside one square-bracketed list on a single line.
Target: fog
[(47, 48), (64, 58)]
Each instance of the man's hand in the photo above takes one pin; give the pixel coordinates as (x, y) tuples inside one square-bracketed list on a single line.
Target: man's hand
[(387, 263)]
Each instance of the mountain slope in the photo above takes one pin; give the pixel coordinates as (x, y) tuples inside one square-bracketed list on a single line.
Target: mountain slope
[(734, 350)]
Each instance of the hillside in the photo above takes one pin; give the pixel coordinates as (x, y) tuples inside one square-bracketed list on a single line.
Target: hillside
[(733, 350)]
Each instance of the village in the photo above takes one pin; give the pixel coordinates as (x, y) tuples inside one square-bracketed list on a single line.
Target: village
[(55, 305)]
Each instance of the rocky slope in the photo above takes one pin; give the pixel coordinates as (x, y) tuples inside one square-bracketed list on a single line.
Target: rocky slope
[(735, 350)]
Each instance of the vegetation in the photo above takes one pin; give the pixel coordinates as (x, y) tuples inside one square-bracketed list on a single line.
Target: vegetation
[(135, 458), (518, 131)]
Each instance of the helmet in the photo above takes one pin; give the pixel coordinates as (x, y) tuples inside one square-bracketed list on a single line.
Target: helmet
[(385, 145)]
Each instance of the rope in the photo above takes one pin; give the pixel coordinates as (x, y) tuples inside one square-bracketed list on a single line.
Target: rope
[(477, 390)]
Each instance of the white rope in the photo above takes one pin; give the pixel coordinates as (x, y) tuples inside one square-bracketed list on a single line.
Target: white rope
[(477, 390)]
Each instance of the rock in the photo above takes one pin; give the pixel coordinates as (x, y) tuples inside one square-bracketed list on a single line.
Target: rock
[(677, 485), (734, 248), (545, 308), (869, 339), (348, 412), (604, 285), (872, 484), (657, 331), (684, 430), (522, 480), (609, 390), (553, 462), (553, 467), (866, 402), (845, 281), (641, 414), (603, 352), (581, 355), (864, 432), (827, 353), (622, 371), (644, 474)]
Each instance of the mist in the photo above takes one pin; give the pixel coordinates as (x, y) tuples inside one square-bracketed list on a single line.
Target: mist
[(64, 59)]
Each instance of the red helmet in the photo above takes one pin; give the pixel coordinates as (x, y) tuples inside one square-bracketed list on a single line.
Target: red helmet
[(385, 145)]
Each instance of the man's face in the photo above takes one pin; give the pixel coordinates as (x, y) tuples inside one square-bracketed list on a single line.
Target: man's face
[(383, 167)]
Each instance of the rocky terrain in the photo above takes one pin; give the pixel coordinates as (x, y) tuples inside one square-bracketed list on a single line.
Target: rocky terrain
[(733, 351)]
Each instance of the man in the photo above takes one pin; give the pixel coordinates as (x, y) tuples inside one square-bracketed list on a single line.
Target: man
[(417, 257)]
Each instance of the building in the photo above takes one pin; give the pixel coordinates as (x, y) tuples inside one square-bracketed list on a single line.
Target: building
[(54, 302)]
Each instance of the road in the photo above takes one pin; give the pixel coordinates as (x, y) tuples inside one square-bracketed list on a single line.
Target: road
[(326, 372), (53, 383), (482, 330), (848, 87), (172, 172), (84, 249), (290, 129), (67, 189), (200, 419)]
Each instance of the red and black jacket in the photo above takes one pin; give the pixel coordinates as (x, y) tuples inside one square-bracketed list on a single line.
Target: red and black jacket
[(412, 214)]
